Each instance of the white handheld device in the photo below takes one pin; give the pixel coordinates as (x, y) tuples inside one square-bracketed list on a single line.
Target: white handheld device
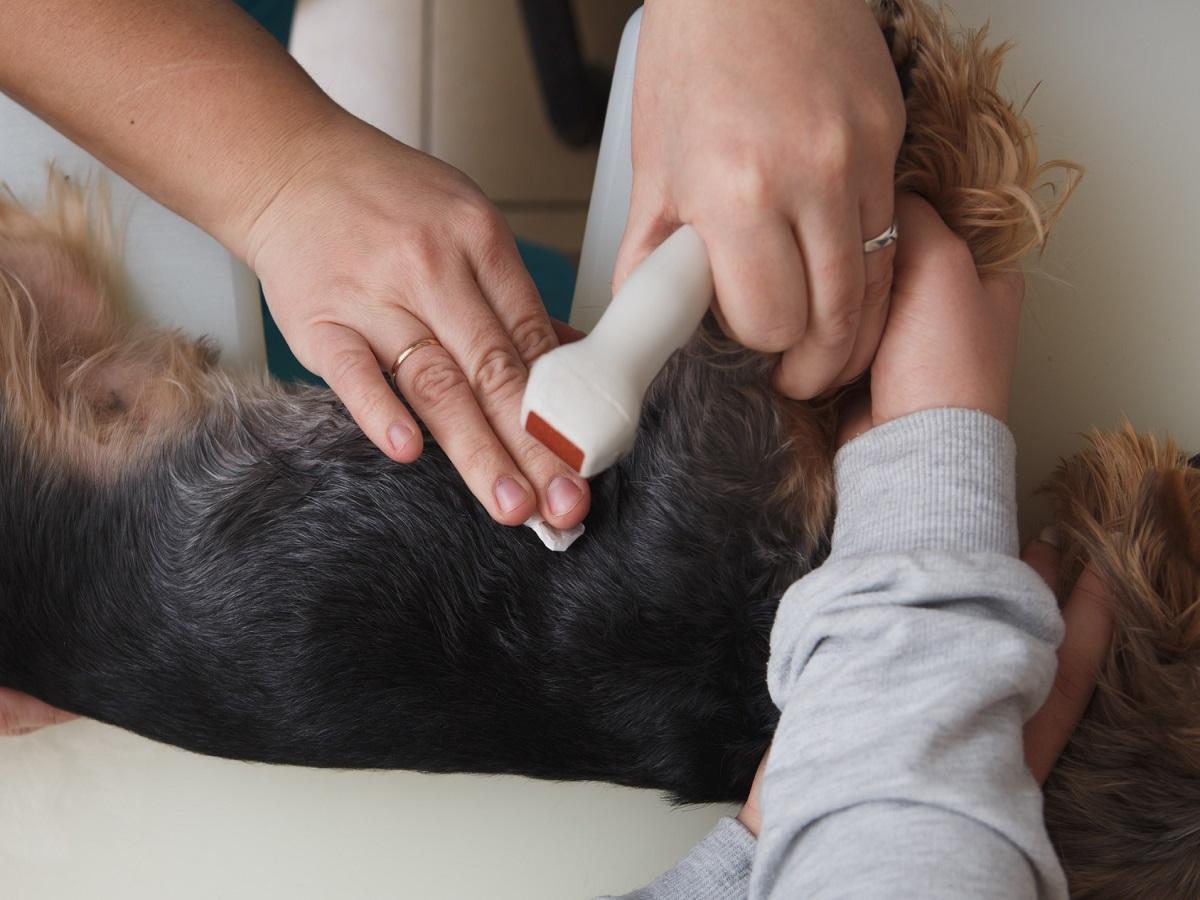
[(583, 400)]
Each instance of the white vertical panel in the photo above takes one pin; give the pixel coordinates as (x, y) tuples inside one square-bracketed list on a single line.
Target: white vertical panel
[(367, 55)]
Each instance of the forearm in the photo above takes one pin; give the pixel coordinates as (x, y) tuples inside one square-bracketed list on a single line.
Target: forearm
[(904, 669), (190, 100)]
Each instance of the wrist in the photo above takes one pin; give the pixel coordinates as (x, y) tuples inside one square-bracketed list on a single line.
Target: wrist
[(939, 479), (293, 158)]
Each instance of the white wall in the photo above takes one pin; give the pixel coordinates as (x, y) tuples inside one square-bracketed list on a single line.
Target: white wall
[(1112, 328), (1112, 324)]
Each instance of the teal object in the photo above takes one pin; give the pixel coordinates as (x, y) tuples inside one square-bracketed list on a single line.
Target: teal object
[(551, 271), (273, 15)]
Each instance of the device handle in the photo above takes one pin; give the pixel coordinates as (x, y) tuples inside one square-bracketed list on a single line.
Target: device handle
[(657, 310)]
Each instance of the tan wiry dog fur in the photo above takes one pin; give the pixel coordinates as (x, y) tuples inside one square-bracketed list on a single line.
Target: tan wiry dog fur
[(1123, 802)]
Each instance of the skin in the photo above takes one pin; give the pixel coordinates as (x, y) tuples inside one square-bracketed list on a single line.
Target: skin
[(772, 127), (951, 341), (365, 246)]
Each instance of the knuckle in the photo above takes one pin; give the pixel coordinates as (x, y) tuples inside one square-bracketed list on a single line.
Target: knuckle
[(344, 369), (418, 253), (882, 119), (436, 381), (498, 372), (840, 329), (766, 331), (532, 335), (481, 222), (832, 152), (775, 337), (479, 456), (842, 280), (747, 183)]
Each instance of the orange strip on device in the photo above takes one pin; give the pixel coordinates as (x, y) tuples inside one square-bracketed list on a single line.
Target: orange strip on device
[(563, 449)]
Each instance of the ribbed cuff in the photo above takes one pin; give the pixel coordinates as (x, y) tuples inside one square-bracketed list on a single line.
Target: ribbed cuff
[(939, 479), (717, 868)]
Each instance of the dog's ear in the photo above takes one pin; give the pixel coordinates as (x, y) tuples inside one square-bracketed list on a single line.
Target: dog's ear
[(968, 150), (79, 382), (57, 265), (1182, 517)]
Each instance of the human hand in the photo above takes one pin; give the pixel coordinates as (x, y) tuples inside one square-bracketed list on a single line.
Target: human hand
[(951, 339), (1088, 619), (1088, 633), (772, 128), (372, 246), (21, 714)]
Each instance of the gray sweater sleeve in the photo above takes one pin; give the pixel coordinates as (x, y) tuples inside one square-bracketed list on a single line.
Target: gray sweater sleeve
[(905, 668), (717, 868)]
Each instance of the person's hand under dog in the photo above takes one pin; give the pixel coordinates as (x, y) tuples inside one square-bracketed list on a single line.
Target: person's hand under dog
[(22, 714)]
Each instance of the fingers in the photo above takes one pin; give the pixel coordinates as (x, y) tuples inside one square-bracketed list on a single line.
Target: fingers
[(486, 441), (483, 338), (432, 381), (919, 226), (509, 290), (877, 288), (834, 262), (1088, 621), (750, 815), (355, 374), (877, 295), (758, 274)]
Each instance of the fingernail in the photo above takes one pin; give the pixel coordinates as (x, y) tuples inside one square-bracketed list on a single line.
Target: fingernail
[(399, 434), (564, 495), (509, 494), (1050, 535)]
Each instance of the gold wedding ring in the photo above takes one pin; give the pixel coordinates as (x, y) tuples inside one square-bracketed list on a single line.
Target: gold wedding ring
[(409, 351)]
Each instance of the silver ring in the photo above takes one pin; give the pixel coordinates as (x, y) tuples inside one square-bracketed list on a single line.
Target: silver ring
[(884, 240)]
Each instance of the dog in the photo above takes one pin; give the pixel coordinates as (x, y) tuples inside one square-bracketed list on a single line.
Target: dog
[(226, 564)]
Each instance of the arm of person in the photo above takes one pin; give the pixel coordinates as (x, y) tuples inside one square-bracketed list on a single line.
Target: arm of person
[(364, 246), (905, 666), (904, 669), (721, 864)]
